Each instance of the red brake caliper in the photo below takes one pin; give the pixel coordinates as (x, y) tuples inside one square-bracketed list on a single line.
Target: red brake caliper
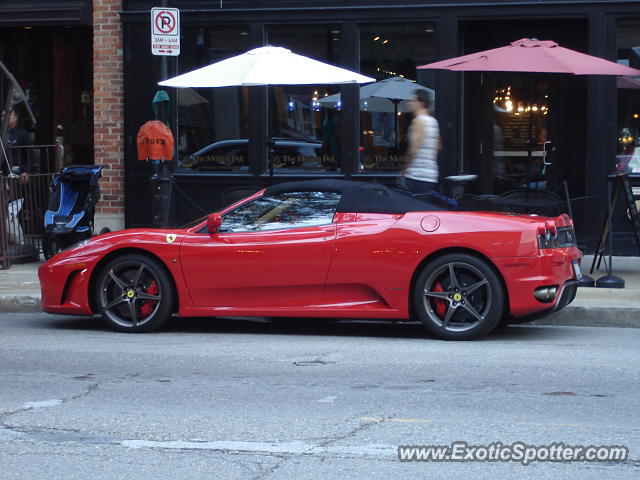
[(147, 306), (441, 306)]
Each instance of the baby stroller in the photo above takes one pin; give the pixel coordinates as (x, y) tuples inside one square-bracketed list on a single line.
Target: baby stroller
[(69, 216)]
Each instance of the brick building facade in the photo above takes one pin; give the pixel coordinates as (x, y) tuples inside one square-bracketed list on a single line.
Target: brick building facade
[(113, 94), (108, 111)]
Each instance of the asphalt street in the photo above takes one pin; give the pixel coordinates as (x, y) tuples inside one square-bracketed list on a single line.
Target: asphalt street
[(207, 399)]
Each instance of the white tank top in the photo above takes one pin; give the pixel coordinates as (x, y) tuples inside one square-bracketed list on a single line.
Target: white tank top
[(424, 166)]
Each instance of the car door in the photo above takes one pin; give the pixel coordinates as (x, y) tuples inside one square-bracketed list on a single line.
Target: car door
[(370, 265), (271, 252)]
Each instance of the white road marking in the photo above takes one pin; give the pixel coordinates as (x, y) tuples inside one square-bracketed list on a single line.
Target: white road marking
[(292, 448), (329, 399), (44, 403)]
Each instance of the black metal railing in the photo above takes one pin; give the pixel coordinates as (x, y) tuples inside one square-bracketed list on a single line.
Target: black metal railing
[(24, 196)]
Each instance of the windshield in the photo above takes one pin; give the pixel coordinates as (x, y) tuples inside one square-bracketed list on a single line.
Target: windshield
[(193, 223)]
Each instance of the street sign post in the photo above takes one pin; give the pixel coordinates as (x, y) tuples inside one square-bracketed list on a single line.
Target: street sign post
[(165, 31)]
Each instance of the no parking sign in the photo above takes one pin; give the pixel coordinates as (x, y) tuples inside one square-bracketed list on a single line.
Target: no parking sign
[(165, 31)]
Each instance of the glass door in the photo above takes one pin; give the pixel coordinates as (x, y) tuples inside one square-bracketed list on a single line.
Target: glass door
[(521, 152)]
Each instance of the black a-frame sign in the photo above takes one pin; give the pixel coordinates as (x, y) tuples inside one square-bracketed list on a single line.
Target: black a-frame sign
[(621, 186)]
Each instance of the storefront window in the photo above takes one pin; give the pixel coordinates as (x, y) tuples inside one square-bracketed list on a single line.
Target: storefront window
[(391, 51), (521, 109), (305, 130), (213, 122), (628, 151), (57, 82)]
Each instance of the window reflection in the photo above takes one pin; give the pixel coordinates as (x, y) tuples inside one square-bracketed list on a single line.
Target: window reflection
[(286, 210), (391, 51), (521, 109), (307, 132), (628, 141), (213, 122)]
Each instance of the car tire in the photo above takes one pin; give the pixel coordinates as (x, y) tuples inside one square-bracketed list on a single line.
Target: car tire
[(459, 297), (134, 293)]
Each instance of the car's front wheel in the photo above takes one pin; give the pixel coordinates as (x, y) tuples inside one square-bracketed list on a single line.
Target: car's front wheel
[(459, 297), (134, 293)]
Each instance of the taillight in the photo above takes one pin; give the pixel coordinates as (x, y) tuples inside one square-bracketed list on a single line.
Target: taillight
[(547, 235), (542, 229), (550, 235), (565, 220), (551, 227)]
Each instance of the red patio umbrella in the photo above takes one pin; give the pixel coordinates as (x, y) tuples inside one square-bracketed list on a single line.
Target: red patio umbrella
[(531, 55), (537, 56)]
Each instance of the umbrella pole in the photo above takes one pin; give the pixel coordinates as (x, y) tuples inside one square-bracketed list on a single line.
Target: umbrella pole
[(529, 133), (269, 138), (270, 150), (397, 122)]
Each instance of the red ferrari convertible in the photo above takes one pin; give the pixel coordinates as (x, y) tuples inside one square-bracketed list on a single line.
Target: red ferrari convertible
[(324, 248)]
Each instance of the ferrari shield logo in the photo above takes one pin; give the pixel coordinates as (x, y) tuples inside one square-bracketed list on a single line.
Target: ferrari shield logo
[(171, 237)]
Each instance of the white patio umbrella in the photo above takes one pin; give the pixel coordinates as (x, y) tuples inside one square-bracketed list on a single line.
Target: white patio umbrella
[(394, 88), (388, 95), (370, 104), (189, 97), (266, 66)]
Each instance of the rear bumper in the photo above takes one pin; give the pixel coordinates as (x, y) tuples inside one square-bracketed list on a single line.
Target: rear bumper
[(524, 275), (567, 295)]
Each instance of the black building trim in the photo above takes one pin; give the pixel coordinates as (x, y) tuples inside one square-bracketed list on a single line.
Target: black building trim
[(597, 31), (355, 5), (34, 13)]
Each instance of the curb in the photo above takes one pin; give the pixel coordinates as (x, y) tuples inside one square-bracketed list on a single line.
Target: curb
[(10, 303), (578, 316), (570, 316)]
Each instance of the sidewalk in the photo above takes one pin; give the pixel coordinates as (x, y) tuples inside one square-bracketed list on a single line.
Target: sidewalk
[(604, 307), (20, 289), (20, 292)]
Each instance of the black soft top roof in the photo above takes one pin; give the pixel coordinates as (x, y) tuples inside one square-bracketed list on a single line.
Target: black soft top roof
[(358, 197)]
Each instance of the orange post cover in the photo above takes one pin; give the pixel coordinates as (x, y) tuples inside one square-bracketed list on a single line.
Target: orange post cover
[(155, 141)]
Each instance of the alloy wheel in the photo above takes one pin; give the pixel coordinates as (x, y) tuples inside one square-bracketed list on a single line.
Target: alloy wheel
[(457, 296), (130, 294)]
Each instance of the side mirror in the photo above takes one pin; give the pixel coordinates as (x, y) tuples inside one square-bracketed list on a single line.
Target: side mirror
[(213, 222)]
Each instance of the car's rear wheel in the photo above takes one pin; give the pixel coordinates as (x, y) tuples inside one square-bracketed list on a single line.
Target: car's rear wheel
[(459, 297), (134, 293)]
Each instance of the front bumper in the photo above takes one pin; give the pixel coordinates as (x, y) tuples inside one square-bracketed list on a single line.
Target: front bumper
[(64, 286)]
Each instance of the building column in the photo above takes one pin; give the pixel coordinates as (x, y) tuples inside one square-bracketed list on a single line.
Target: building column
[(108, 130), (601, 125), (350, 95), (448, 99)]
